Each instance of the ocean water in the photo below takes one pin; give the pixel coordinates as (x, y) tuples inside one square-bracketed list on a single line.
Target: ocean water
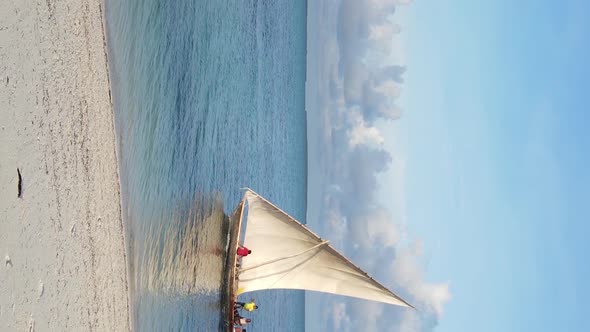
[(209, 98)]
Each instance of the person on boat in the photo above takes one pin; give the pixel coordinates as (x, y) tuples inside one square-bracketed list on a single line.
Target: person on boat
[(237, 316), (249, 306), (239, 320), (244, 321), (243, 251), (239, 329)]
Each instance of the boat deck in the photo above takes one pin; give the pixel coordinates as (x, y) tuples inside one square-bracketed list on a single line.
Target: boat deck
[(230, 281)]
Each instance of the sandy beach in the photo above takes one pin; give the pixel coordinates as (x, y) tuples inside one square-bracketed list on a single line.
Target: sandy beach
[(62, 251)]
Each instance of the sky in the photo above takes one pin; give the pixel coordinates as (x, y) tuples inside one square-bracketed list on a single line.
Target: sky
[(448, 157)]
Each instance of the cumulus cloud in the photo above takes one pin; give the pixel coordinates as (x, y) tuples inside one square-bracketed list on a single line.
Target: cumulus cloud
[(378, 100), (381, 37), (362, 133), (365, 135), (352, 96), (381, 229), (354, 79), (372, 313), (406, 271), (394, 73), (363, 27), (391, 3), (397, 265), (359, 178), (339, 317)]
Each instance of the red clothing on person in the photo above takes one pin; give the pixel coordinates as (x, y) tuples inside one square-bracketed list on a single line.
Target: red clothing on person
[(243, 251)]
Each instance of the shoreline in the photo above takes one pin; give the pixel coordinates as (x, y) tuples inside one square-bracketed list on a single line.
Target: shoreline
[(127, 245), (63, 241)]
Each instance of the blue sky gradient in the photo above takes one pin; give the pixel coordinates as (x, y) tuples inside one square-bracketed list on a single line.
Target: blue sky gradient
[(497, 157)]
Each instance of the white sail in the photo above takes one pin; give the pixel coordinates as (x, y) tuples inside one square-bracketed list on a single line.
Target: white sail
[(287, 255)]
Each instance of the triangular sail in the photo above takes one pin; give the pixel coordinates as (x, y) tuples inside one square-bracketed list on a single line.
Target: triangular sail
[(287, 255)]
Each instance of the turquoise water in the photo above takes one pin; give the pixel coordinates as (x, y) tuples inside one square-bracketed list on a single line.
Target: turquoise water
[(209, 98)]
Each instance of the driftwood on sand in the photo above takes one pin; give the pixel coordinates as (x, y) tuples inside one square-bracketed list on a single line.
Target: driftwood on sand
[(19, 186)]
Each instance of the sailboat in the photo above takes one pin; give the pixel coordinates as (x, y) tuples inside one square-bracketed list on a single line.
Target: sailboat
[(288, 255)]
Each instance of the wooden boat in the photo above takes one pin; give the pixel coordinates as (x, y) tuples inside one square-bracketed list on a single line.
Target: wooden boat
[(288, 255)]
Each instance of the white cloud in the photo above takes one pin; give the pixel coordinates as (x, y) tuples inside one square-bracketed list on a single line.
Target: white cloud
[(354, 79), (339, 317), (389, 89), (391, 3), (382, 229), (359, 131), (372, 313), (410, 275), (362, 134), (381, 36), (409, 322), (386, 5), (383, 31), (357, 88), (390, 112)]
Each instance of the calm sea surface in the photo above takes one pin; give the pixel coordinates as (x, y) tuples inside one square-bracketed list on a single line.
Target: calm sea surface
[(209, 98)]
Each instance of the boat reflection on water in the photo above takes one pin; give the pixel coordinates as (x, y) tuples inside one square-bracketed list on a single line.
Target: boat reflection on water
[(186, 255)]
